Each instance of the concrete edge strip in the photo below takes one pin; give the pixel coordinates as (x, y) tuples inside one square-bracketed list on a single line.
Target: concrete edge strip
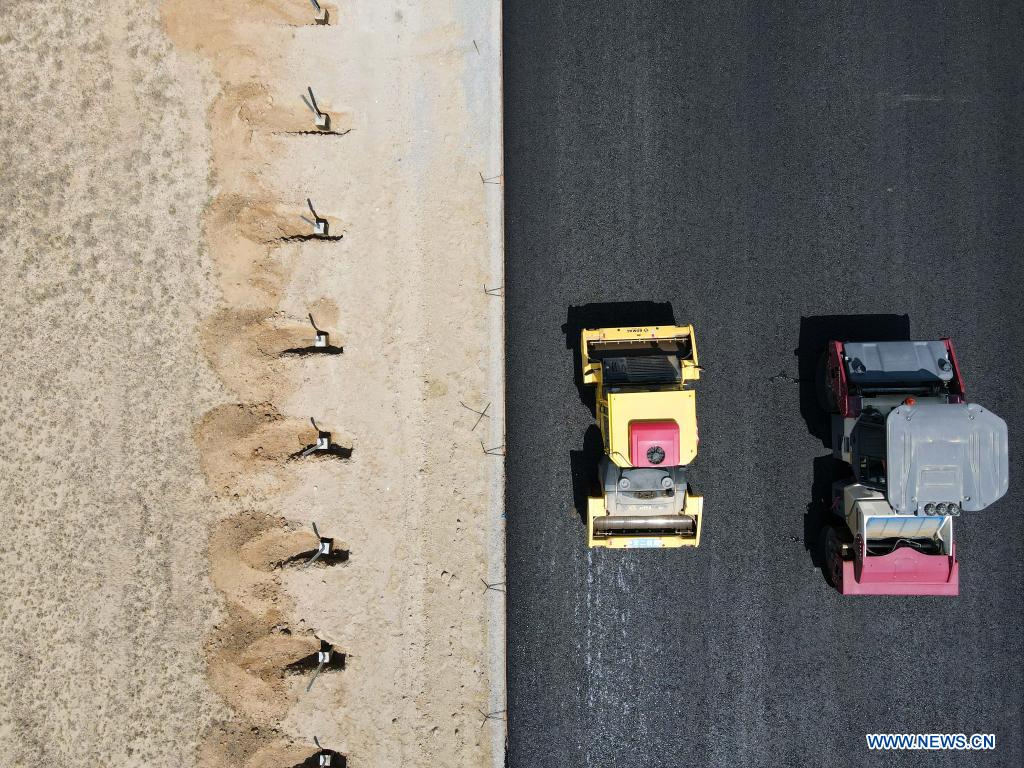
[(496, 566)]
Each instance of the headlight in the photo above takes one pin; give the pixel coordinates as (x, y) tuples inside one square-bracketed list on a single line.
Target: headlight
[(666, 482), (954, 509), (940, 508), (929, 509), (623, 483)]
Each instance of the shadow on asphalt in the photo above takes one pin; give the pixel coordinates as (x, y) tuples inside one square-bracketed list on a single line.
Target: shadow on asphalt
[(815, 333), (583, 468), (826, 471)]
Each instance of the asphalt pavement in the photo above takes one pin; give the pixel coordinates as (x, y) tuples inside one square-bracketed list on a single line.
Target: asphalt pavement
[(772, 173)]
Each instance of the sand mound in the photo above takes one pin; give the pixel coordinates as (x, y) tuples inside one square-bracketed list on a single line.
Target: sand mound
[(246, 447), (254, 655), (249, 660), (284, 754), (251, 108), (228, 30), (256, 349), (254, 242), (240, 745), (277, 548), (252, 266)]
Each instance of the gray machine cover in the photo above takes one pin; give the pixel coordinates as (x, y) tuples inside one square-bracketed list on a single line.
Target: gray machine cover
[(887, 362), (940, 452)]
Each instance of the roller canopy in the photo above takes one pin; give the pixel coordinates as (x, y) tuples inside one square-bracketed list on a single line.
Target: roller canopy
[(939, 452)]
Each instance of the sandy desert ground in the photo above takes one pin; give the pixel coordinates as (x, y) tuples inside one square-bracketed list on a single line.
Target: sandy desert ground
[(159, 376)]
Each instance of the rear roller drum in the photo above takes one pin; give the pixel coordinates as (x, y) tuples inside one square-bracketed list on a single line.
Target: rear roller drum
[(834, 544)]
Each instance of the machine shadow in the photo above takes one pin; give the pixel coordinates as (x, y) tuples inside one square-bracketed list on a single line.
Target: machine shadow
[(583, 469), (815, 333), (826, 471), (617, 314)]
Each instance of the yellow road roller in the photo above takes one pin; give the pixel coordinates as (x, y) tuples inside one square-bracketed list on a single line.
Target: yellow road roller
[(646, 412)]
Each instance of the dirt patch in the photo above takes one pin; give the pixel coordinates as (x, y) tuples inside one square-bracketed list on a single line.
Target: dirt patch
[(277, 548), (106, 600), (246, 658), (246, 448), (218, 31), (246, 745), (249, 109), (255, 654), (256, 350), (248, 445), (254, 244)]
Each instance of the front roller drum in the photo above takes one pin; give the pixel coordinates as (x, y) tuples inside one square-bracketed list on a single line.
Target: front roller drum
[(653, 525)]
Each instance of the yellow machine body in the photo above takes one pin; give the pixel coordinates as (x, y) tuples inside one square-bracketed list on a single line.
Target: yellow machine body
[(616, 411), (664, 364)]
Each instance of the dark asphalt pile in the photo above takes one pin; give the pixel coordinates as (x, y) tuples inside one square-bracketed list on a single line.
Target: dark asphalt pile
[(774, 174)]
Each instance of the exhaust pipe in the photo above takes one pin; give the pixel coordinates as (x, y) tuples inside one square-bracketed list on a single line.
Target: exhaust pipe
[(621, 525)]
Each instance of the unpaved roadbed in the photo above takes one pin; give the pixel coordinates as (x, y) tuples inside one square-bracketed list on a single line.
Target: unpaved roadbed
[(160, 504)]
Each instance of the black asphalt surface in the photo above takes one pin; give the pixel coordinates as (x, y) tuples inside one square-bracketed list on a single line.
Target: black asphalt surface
[(763, 172)]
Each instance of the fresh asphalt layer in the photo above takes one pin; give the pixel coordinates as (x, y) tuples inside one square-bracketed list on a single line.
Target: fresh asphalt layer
[(766, 173)]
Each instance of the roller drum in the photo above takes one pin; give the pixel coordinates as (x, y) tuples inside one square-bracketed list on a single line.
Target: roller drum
[(611, 525)]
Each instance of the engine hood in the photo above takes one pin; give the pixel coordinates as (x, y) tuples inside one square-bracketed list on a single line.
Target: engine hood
[(941, 452)]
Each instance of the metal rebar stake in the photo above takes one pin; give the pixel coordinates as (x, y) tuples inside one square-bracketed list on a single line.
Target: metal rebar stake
[(323, 548), (323, 441), (324, 658), (321, 13), (321, 119), (318, 223), (322, 338)]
